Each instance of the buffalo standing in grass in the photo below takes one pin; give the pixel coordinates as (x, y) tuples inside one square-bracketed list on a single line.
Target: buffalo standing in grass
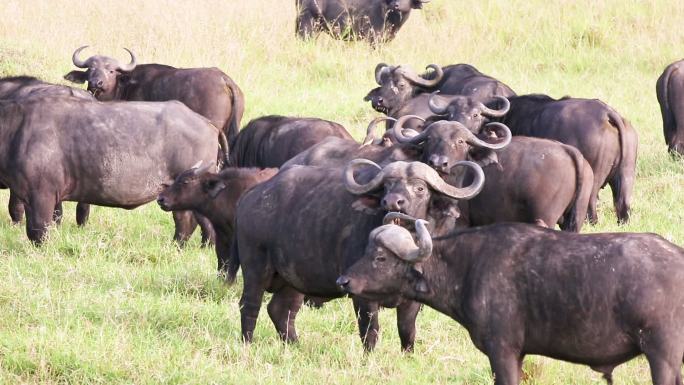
[(605, 139), (22, 87), (207, 91), (531, 180), (399, 86), (670, 92), (296, 232), (214, 196), (112, 154), (377, 21), (270, 141), (595, 299)]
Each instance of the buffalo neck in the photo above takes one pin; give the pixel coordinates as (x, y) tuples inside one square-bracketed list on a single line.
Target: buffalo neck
[(445, 272)]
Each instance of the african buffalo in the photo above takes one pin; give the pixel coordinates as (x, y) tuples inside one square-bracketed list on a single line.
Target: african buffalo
[(207, 91), (112, 154), (215, 197), (400, 84), (594, 299), (531, 179), (377, 21), (670, 92), (270, 141), (296, 232), (22, 87), (605, 139)]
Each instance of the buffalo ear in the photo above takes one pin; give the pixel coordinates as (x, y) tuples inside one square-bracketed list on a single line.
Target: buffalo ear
[(76, 77), (484, 157), (125, 79), (419, 283), (367, 204), (213, 187)]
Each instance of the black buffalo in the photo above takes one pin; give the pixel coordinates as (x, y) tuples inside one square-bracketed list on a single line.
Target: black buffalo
[(207, 91), (399, 85), (531, 180), (377, 21), (296, 232), (670, 92), (112, 154), (270, 141), (595, 299), (22, 87), (605, 139), (214, 196)]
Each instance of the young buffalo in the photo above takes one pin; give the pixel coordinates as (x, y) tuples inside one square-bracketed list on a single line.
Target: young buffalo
[(214, 196), (594, 299)]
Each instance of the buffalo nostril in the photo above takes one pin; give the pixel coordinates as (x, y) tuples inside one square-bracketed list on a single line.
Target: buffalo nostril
[(400, 202), (99, 83), (380, 100), (342, 281)]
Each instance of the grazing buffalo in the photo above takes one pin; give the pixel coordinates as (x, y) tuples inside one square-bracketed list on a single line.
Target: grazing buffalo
[(207, 91), (112, 154), (605, 139), (594, 299), (400, 84), (270, 141), (531, 179), (376, 21), (215, 197), (670, 92), (296, 232), (22, 87)]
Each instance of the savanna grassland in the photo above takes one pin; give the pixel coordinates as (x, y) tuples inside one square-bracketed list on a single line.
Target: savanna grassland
[(117, 303)]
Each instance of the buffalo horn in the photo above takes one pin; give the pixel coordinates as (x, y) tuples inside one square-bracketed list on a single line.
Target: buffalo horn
[(421, 81), (78, 62), (398, 130), (477, 142), (378, 72), (428, 174), (436, 106), (496, 113), (352, 185), (130, 66), (370, 131)]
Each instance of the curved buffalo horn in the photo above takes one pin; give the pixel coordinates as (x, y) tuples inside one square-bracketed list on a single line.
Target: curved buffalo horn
[(378, 72), (503, 143), (424, 243), (130, 66), (370, 131), (428, 174), (435, 106), (421, 81), (392, 215), (353, 186), (398, 131), (496, 113), (78, 62)]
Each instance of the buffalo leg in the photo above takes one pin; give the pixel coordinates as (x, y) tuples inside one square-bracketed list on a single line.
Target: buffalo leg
[(256, 277), (208, 233), (82, 213), (306, 25), (283, 310), (664, 358), (621, 188), (367, 318), (223, 243), (592, 213), (506, 366), (185, 225), (16, 208), (406, 323), (39, 212), (58, 213)]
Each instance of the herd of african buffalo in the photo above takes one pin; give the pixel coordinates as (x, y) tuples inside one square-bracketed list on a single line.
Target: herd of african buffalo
[(454, 205)]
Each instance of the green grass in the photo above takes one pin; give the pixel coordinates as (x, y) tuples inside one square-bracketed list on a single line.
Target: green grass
[(117, 303)]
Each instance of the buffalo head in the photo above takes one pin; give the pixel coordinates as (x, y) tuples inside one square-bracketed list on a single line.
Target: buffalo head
[(413, 188), (399, 84), (391, 263), (104, 74), (190, 189), (470, 112), (445, 143)]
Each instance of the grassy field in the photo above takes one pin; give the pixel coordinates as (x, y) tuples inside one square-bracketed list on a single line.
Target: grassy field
[(117, 303)]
